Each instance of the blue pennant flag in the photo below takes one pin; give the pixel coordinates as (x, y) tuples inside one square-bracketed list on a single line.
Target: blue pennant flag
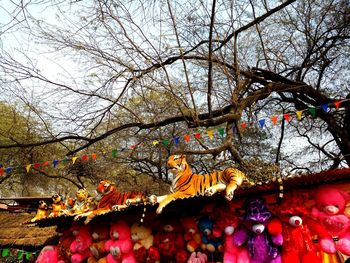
[(262, 123), (55, 162), (177, 140), (325, 107), (8, 170)]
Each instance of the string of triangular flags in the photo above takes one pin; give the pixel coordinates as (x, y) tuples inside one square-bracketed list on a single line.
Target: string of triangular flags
[(18, 253), (177, 139)]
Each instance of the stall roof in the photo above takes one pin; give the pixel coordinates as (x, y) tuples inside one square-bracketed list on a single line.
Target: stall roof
[(15, 233)]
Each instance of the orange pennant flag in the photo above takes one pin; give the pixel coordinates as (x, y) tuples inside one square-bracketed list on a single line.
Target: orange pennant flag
[(299, 113), (286, 116), (210, 134), (1, 171), (45, 163), (274, 119), (93, 156), (74, 158), (28, 167), (187, 138)]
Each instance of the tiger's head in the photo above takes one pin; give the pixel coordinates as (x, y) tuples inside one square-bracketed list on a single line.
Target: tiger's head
[(105, 187), (177, 164), (82, 195)]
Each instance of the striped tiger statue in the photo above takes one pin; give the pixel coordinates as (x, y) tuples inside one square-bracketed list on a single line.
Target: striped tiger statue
[(187, 184), (111, 199)]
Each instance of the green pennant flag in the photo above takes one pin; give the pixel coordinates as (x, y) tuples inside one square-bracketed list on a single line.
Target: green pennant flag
[(221, 131), (166, 142), (20, 254), (114, 153), (312, 110), (5, 252)]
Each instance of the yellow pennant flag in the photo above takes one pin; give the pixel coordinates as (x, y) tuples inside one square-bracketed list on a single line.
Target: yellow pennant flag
[(210, 134), (299, 113), (28, 167), (74, 158), (155, 142)]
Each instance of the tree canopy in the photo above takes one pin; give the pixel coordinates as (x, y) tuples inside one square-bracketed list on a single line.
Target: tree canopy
[(106, 74)]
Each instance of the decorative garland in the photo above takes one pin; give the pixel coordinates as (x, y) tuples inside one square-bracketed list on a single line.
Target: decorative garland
[(177, 139), (18, 253)]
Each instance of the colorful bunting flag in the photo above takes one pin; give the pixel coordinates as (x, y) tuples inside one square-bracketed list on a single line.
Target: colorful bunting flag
[(274, 119), (45, 163), (197, 135), (8, 170), (177, 140), (325, 107), (187, 138), (210, 134), (28, 167), (55, 162), (286, 116), (337, 104), (36, 165), (155, 143), (1, 171), (114, 153), (5, 252), (84, 157), (166, 142), (312, 110), (93, 156), (299, 114), (243, 125), (221, 131), (262, 123), (74, 158)]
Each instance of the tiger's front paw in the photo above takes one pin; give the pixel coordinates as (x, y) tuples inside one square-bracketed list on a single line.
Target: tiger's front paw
[(229, 195), (152, 199), (209, 192), (116, 208), (159, 209)]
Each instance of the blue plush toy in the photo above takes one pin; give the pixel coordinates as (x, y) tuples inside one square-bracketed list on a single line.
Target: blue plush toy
[(210, 241)]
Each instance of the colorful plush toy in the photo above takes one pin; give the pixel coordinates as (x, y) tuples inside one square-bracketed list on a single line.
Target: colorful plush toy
[(264, 233), (143, 241), (170, 242), (49, 254), (42, 212), (80, 247), (211, 239), (198, 257), (192, 235), (120, 245), (228, 222), (100, 234), (298, 246), (58, 206), (329, 210)]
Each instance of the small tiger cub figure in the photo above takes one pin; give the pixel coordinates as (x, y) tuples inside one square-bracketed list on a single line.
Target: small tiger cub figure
[(42, 212), (57, 205), (187, 184), (81, 202), (111, 199)]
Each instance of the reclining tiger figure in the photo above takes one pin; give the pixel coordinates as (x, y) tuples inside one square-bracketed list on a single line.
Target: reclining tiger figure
[(187, 184), (112, 199)]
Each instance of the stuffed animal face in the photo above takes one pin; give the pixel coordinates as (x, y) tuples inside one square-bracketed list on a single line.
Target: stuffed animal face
[(331, 201), (56, 198), (82, 195), (42, 205), (120, 231), (140, 232), (177, 164), (205, 225)]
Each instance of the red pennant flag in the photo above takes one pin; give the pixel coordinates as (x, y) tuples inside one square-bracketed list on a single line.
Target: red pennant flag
[(286, 116), (1, 171), (45, 163), (36, 165), (187, 138), (133, 146), (337, 104), (274, 119), (93, 156), (197, 135), (84, 157), (243, 125)]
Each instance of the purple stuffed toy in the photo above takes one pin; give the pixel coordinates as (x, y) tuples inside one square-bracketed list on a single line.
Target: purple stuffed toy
[(262, 233)]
